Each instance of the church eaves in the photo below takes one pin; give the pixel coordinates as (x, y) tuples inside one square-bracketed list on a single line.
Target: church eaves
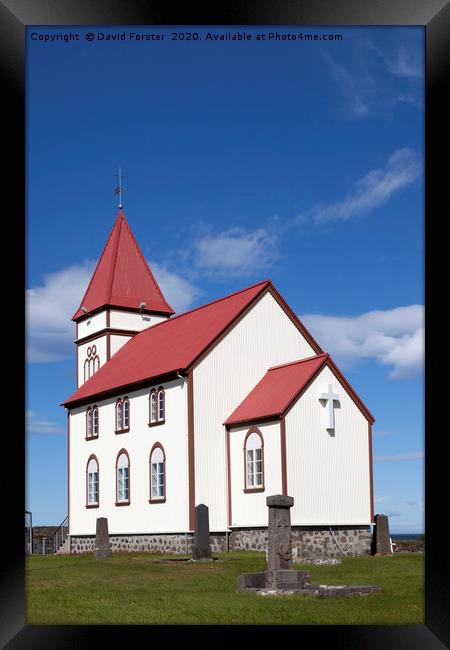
[(122, 277)]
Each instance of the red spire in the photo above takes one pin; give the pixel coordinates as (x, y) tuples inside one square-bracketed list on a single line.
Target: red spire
[(122, 277)]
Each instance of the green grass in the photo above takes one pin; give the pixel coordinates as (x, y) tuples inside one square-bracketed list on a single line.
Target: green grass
[(135, 589)]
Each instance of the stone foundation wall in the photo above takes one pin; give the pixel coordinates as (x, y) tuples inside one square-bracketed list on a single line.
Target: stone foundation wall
[(311, 543)]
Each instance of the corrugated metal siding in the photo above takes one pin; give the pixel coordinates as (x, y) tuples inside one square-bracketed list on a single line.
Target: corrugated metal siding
[(327, 476), (92, 324), (140, 516), (133, 321), (117, 342), (264, 337), (250, 509)]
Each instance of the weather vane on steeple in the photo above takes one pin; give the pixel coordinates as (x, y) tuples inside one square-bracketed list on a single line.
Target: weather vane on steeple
[(119, 189)]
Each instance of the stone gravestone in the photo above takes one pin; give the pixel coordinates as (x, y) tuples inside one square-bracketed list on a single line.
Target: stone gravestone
[(382, 541), (280, 577), (102, 545), (201, 549), (279, 550)]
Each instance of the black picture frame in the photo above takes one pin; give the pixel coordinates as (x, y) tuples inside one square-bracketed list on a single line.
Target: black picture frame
[(434, 16)]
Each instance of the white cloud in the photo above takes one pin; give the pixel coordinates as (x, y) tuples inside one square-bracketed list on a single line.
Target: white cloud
[(400, 458), (50, 307), (370, 89), (36, 426), (392, 337), (381, 499), (236, 252), (406, 63), (375, 188), (179, 293), (354, 91)]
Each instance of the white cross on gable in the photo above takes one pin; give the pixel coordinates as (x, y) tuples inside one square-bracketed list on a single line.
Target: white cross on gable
[(330, 398)]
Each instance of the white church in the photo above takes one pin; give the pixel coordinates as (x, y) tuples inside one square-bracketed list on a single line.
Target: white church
[(223, 405)]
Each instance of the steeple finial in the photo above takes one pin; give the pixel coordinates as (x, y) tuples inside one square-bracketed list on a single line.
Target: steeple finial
[(119, 189)]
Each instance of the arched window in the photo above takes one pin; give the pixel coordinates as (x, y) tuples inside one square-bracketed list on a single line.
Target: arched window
[(126, 413), (95, 421), (157, 406), (153, 409), (157, 473), (89, 423), (122, 415), (92, 483), (122, 478), (92, 362), (161, 404), (254, 461)]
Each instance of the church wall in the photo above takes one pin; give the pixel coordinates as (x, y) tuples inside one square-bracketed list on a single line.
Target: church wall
[(264, 337), (250, 508), (128, 320), (328, 475), (92, 324), (116, 342), (140, 516)]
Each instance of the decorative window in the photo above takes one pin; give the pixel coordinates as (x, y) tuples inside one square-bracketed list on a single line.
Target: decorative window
[(122, 478), (92, 422), (122, 415), (254, 461), (92, 362), (157, 473), (157, 406), (92, 483)]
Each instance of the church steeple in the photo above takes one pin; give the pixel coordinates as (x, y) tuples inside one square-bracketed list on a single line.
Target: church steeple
[(122, 277), (122, 298)]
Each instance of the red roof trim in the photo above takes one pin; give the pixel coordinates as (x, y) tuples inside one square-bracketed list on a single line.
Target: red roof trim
[(326, 360), (293, 363), (355, 397), (108, 268), (232, 323), (75, 317), (264, 284), (125, 388), (295, 319), (207, 304)]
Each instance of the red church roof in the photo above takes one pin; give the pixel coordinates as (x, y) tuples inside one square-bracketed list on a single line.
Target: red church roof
[(282, 385), (170, 346), (122, 277)]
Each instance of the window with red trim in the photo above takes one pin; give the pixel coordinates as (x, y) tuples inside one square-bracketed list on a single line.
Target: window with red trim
[(122, 415), (157, 473), (92, 482), (157, 406), (254, 460), (123, 478)]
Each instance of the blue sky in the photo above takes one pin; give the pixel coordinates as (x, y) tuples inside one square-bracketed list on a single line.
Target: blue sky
[(299, 161)]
